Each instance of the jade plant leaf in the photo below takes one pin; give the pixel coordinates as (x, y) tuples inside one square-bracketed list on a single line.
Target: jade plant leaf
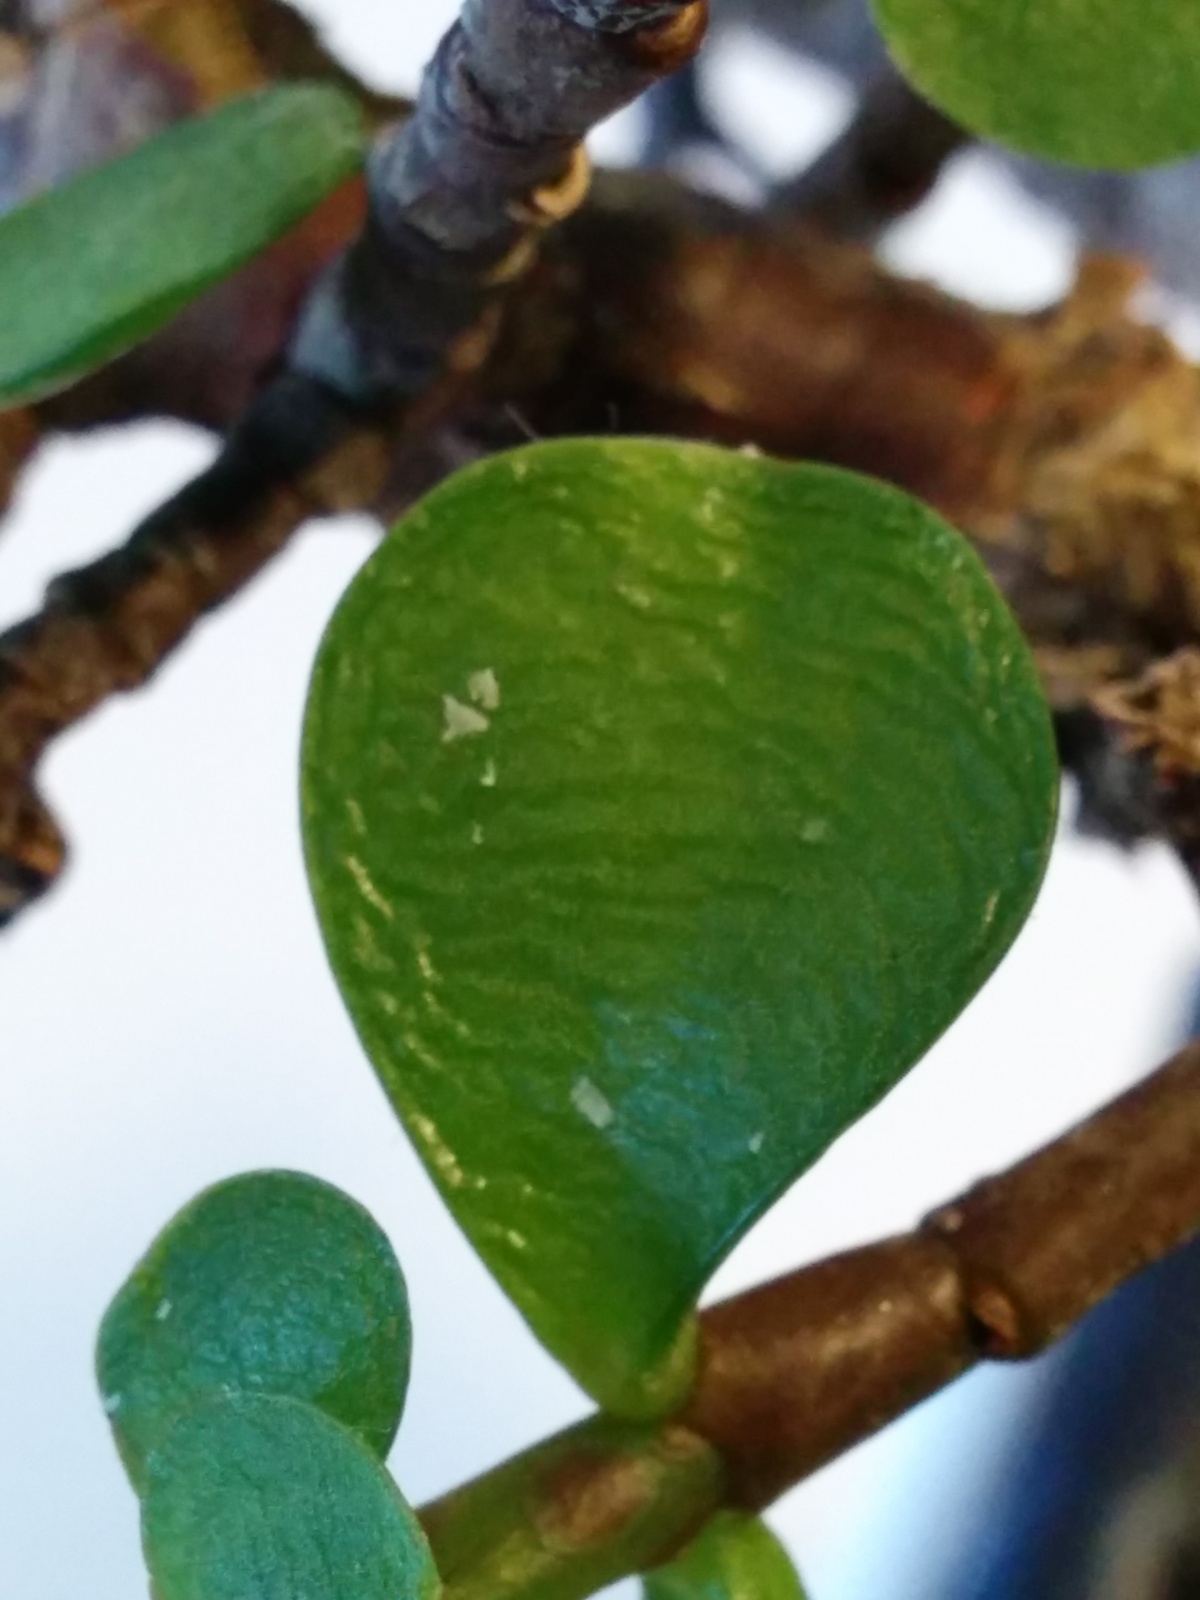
[(1109, 83), (662, 806), (737, 1557), (88, 269), (269, 1283), (258, 1497)]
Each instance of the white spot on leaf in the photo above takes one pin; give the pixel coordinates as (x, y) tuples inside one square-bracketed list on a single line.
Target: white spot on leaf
[(484, 688), (710, 506), (425, 965), (640, 599), (112, 1404), (755, 1142), (163, 1311), (815, 831), (462, 722), (488, 781), (367, 888), (590, 1103), (442, 1158)]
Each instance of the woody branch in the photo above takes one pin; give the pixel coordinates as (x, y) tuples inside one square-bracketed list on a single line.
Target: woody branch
[(797, 1371)]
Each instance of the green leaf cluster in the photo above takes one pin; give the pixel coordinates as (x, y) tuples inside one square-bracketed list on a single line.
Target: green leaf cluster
[(253, 1369)]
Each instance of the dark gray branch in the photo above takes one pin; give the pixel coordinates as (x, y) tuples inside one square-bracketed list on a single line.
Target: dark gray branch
[(491, 156), (883, 165), (617, 16)]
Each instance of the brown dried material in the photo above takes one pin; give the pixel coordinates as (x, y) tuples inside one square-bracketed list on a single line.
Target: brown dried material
[(1098, 484), (1160, 711), (202, 39), (1154, 721)]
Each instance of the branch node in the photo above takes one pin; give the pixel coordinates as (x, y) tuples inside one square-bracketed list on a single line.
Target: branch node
[(552, 203)]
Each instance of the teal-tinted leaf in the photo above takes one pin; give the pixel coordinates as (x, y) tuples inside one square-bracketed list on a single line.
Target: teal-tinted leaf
[(662, 807), (256, 1497), (90, 268), (1106, 83), (270, 1283), (737, 1557)]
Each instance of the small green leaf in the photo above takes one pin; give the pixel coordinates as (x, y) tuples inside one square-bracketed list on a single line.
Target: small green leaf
[(257, 1497), (271, 1283), (737, 1557), (88, 269), (1106, 83), (662, 806)]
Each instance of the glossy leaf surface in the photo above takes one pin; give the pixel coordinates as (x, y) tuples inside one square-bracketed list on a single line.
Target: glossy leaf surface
[(737, 1557), (89, 268), (662, 807), (1100, 83), (256, 1497), (270, 1283)]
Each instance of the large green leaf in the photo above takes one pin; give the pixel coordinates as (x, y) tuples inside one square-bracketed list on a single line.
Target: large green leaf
[(256, 1497), (737, 1557), (269, 1283), (90, 268), (662, 807), (1103, 83)]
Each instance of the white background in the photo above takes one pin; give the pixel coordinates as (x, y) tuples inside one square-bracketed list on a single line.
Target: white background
[(166, 1017)]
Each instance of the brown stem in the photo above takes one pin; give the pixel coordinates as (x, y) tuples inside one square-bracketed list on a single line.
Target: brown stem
[(797, 1371), (1043, 1243), (20, 434), (576, 1512)]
